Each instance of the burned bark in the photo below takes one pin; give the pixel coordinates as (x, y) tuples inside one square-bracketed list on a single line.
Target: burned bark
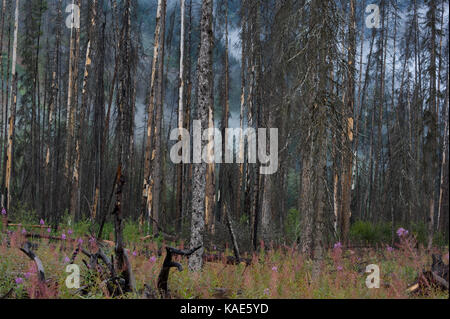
[(435, 278), (168, 263)]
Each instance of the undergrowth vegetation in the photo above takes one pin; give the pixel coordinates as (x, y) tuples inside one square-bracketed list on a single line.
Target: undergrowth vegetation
[(275, 272)]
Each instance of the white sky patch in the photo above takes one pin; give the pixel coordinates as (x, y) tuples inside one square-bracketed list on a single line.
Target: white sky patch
[(235, 43)]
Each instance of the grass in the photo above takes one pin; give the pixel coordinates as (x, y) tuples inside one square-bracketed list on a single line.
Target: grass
[(274, 273)]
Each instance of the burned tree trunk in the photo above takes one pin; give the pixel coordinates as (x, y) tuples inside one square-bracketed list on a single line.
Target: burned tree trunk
[(122, 266), (168, 263), (72, 96), (436, 278), (232, 233)]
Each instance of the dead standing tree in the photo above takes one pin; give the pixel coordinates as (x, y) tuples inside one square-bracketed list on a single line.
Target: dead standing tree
[(123, 265), (205, 102)]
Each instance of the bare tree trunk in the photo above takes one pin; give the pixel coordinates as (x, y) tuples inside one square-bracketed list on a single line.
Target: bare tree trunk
[(72, 97), (430, 118), (240, 187), (255, 115), (13, 104), (75, 190), (158, 126), (224, 184), (187, 168), (210, 198), (266, 209), (444, 164), (148, 185), (2, 87), (205, 101), (7, 105), (99, 119), (53, 101), (179, 172), (348, 128)]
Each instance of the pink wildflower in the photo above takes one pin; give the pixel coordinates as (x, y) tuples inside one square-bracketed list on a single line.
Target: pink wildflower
[(402, 232)]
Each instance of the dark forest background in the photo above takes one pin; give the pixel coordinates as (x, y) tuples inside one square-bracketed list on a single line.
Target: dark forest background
[(362, 115)]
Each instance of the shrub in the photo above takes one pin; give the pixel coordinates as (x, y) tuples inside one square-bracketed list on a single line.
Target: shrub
[(366, 232), (292, 225), (131, 231)]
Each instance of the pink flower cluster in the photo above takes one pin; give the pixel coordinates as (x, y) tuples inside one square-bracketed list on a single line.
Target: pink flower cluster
[(401, 232)]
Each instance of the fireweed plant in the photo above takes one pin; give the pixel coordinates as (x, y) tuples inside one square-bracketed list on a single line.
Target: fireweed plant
[(274, 272)]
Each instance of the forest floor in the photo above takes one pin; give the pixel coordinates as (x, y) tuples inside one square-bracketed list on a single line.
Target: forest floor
[(273, 273)]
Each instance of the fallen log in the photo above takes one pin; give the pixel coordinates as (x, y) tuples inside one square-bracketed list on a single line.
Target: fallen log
[(161, 231), (102, 256), (26, 249), (32, 226), (166, 236), (8, 294), (75, 254), (107, 243), (436, 278), (229, 260), (49, 237), (168, 263), (110, 282), (225, 293)]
